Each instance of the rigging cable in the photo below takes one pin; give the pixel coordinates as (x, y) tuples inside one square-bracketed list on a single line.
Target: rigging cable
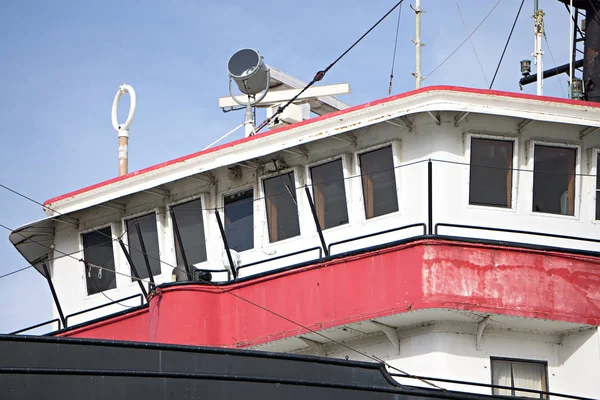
[(319, 75), (395, 46), (507, 41), (562, 91), (472, 44), (464, 41)]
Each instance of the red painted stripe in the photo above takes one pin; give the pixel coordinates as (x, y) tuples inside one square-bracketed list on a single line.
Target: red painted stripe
[(321, 118)]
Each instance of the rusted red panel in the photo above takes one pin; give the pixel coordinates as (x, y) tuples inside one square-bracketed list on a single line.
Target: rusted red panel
[(421, 275)]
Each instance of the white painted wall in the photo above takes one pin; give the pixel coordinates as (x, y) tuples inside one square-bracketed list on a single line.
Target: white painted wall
[(427, 140)]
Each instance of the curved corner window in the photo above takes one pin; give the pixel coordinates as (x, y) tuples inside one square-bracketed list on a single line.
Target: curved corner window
[(143, 230), (378, 182), (329, 194), (282, 207), (190, 223), (98, 251), (554, 180), (239, 220), (490, 177)]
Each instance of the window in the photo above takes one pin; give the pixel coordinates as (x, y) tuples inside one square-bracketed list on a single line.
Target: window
[(490, 182), (329, 194), (520, 374), (554, 180), (598, 186), (282, 208), (98, 250), (239, 220), (149, 235), (191, 229), (378, 182)]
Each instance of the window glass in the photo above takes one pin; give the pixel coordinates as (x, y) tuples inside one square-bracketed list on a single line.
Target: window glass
[(554, 180), (329, 194), (378, 182), (598, 187), (149, 233), (282, 208), (490, 182), (239, 220), (191, 229), (519, 374), (98, 250)]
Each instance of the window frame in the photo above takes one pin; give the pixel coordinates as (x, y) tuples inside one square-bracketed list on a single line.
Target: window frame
[(594, 154), (170, 239), (515, 165), (396, 146), (346, 173), (221, 209), (521, 360), (530, 164), (116, 259), (263, 234), (124, 219)]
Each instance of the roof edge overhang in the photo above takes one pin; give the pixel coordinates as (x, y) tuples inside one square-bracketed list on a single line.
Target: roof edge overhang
[(34, 241), (430, 99)]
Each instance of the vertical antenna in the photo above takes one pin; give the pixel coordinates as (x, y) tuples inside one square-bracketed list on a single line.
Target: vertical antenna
[(417, 42), (571, 46), (123, 129), (538, 30)]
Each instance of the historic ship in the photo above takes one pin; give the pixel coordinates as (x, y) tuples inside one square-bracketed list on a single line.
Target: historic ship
[(440, 243)]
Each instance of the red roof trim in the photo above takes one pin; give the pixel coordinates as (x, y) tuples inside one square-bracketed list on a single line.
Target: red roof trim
[(321, 118)]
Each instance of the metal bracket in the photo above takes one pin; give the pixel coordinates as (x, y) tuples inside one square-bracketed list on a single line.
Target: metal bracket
[(299, 151), (391, 334), (402, 122), (436, 117), (480, 327), (458, 118), (316, 347), (588, 131), (158, 191), (521, 125), (206, 177), (112, 205), (348, 137)]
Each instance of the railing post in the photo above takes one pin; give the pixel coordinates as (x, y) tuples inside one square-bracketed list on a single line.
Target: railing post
[(317, 223), (429, 197), (143, 246), (180, 245), (226, 245), (133, 269), (53, 291)]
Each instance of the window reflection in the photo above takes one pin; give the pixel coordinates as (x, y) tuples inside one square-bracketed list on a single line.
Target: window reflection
[(191, 229), (554, 180), (378, 182), (149, 233), (239, 220), (282, 207), (490, 182), (98, 250), (329, 194)]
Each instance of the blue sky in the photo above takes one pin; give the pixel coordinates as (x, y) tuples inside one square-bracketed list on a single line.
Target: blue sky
[(62, 62)]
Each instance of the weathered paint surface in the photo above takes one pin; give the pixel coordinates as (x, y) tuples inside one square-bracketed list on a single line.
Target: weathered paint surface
[(420, 275), (131, 327)]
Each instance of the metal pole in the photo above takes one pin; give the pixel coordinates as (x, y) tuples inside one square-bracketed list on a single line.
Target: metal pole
[(418, 43), (316, 218), (571, 46), (227, 250), (53, 291), (133, 269), (180, 244), (249, 121), (143, 246), (538, 29), (430, 197)]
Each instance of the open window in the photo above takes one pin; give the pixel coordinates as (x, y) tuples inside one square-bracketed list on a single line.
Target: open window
[(554, 180), (98, 251), (149, 234), (378, 182), (519, 374), (282, 207), (329, 194), (190, 223), (490, 182), (239, 220)]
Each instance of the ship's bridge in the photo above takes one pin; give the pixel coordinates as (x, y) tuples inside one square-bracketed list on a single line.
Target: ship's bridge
[(444, 203)]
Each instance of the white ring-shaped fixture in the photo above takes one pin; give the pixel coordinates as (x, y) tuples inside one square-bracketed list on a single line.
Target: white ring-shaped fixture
[(122, 90)]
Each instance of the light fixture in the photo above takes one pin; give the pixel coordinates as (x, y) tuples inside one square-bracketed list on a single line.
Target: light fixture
[(251, 75), (525, 67)]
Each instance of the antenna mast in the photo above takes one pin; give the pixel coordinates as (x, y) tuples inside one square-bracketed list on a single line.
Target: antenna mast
[(538, 30), (417, 42)]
